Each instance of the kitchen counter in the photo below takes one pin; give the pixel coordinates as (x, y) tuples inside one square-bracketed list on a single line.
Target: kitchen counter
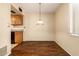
[(17, 28)]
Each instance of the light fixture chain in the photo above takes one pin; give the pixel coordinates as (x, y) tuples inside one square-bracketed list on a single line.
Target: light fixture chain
[(39, 11)]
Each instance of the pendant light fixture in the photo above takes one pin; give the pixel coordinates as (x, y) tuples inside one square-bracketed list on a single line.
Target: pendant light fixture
[(39, 20)]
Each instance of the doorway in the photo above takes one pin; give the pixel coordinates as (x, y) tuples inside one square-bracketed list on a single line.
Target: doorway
[(16, 26)]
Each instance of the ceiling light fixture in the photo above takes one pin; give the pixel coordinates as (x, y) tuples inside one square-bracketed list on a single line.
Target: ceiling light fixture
[(40, 20)]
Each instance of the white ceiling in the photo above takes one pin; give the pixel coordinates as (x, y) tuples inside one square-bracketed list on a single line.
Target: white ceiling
[(34, 7)]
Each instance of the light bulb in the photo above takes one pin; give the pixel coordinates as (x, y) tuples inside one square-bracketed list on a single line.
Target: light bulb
[(40, 22)]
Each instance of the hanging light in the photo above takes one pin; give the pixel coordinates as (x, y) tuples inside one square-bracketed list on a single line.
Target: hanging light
[(40, 20)]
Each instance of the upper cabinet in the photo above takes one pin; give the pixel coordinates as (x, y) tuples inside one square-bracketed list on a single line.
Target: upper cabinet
[(16, 16), (16, 20)]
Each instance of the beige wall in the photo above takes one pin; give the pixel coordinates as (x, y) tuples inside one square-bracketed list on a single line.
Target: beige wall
[(63, 38), (4, 23), (35, 32)]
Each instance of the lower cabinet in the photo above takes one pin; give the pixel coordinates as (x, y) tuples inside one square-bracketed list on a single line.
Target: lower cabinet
[(16, 37)]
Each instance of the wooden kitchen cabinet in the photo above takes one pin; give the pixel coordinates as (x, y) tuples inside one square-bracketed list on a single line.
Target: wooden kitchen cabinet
[(18, 37), (16, 20)]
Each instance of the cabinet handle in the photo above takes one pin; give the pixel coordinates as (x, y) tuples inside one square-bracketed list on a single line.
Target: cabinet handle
[(24, 27), (8, 26)]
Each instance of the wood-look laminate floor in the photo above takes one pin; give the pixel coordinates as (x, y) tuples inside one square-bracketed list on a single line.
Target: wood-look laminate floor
[(38, 48)]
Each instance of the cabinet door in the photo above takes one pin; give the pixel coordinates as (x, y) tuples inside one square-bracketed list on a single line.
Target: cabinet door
[(18, 37), (17, 19)]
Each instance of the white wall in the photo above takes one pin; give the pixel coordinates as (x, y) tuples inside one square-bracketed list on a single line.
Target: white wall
[(35, 32), (4, 23), (62, 28)]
